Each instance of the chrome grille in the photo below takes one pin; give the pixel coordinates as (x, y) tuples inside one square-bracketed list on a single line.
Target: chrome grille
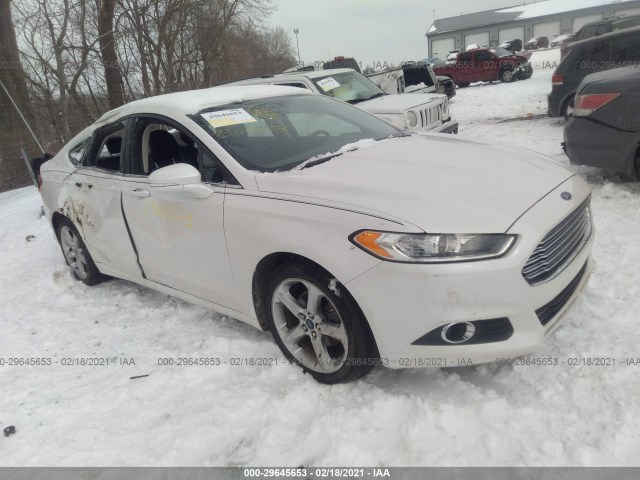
[(559, 247), (432, 116)]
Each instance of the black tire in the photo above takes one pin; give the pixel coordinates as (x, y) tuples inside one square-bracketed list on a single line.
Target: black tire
[(507, 75), (464, 85), (76, 254), (567, 107), (334, 326)]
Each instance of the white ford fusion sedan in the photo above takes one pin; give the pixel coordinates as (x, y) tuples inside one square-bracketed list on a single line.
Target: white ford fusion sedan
[(353, 242)]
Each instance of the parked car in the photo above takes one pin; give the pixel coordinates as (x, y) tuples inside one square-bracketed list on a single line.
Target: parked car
[(429, 112), (472, 46), (606, 25), (341, 62), (487, 64), (536, 43), (419, 78), (513, 46), (615, 49), (305, 216), (604, 130), (559, 40)]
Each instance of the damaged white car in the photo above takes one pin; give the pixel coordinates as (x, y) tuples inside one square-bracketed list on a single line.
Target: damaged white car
[(353, 242)]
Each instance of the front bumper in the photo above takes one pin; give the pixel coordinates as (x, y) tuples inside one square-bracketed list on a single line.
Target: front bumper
[(404, 302), (447, 127), (595, 144)]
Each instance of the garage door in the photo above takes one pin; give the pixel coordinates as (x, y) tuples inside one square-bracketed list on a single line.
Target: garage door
[(629, 11), (481, 39), (511, 33), (547, 29), (440, 48), (578, 22)]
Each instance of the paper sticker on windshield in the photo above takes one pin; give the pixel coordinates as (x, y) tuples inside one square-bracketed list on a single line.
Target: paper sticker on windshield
[(328, 83), (224, 118)]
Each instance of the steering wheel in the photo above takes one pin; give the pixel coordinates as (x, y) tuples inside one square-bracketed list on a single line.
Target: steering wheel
[(320, 132)]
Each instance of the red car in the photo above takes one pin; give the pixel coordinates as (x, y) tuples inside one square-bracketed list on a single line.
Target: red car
[(487, 64)]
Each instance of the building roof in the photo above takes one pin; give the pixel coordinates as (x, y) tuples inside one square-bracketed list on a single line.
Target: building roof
[(520, 12)]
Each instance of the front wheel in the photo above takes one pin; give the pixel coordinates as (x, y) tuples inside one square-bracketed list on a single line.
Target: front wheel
[(76, 254), (506, 75), (317, 325)]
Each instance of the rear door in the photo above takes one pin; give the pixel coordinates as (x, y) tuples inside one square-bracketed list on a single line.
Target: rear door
[(485, 66), (179, 238), (464, 68), (95, 208)]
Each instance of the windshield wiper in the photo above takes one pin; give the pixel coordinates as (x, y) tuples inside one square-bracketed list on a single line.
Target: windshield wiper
[(313, 163)]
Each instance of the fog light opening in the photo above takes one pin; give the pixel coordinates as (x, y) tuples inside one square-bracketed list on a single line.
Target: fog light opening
[(458, 332)]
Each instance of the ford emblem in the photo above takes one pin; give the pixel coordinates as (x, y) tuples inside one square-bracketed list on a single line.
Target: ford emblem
[(565, 195)]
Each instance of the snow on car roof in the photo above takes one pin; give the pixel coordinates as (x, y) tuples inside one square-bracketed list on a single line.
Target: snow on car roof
[(320, 73), (193, 101)]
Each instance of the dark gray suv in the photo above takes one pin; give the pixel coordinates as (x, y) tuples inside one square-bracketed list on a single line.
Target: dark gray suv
[(604, 130), (604, 52)]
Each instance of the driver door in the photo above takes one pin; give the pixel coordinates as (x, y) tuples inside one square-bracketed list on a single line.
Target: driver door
[(179, 237)]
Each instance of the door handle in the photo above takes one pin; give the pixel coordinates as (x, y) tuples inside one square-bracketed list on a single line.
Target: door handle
[(138, 192)]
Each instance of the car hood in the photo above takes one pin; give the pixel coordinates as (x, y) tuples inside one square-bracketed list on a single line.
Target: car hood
[(436, 182), (398, 103)]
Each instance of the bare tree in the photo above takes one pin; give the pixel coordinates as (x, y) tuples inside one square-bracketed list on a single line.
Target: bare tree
[(112, 75)]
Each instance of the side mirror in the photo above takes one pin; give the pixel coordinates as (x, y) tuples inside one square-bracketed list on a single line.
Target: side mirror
[(180, 178), (177, 174)]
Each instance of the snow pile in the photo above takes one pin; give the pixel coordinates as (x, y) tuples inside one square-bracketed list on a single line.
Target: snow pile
[(520, 415)]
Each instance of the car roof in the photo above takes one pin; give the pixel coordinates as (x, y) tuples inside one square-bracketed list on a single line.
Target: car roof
[(617, 33), (615, 18), (317, 73), (194, 101)]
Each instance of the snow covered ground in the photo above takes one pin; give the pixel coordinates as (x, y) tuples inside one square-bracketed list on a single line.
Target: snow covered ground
[(244, 415)]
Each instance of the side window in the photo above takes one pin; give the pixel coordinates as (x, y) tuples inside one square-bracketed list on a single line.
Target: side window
[(625, 49), (600, 55), (158, 144), (107, 145), (602, 29), (589, 31), (483, 56), (465, 57), (76, 154)]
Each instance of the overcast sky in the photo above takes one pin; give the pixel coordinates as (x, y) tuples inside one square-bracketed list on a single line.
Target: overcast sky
[(369, 30)]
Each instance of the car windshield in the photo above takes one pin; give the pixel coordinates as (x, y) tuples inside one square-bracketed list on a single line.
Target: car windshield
[(500, 52), (351, 87), (281, 133)]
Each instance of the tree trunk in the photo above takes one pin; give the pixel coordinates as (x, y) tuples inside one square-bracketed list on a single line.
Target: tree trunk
[(112, 74)]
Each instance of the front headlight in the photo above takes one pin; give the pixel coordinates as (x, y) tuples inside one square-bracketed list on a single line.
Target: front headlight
[(432, 248), (412, 119)]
